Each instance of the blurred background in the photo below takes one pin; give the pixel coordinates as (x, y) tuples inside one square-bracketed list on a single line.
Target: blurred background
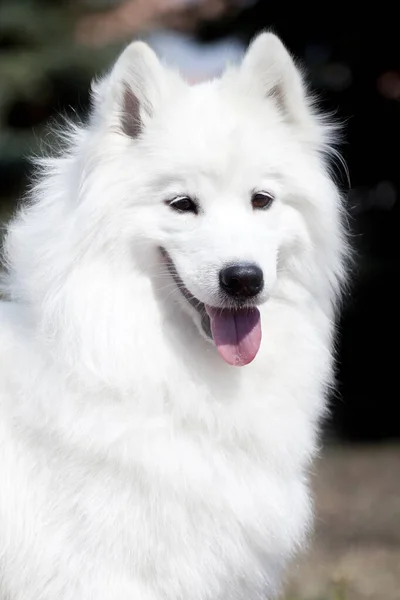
[(49, 52)]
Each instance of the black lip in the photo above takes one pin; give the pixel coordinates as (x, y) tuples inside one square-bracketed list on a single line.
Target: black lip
[(192, 300)]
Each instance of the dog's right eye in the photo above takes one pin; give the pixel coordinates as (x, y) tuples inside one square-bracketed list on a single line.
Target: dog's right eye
[(183, 204)]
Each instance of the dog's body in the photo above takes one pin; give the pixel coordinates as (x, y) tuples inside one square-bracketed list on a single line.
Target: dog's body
[(135, 462)]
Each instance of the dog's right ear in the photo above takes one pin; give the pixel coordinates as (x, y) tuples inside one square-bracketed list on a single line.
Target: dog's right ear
[(127, 97), (270, 71)]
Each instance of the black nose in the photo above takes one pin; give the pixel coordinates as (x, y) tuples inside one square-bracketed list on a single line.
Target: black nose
[(242, 280)]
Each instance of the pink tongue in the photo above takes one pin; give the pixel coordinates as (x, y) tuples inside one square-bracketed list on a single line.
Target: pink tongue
[(237, 334)]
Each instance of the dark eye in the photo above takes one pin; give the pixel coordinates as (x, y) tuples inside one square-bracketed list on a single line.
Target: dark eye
[(261, 200), (183, 204)]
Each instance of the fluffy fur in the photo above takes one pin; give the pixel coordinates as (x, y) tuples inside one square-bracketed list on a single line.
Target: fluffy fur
[(135, 463)]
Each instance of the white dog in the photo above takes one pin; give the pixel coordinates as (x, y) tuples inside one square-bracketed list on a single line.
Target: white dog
[(138, 462)]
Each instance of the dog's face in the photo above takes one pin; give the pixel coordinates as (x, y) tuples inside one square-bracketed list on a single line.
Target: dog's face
[(217, 212), (218, 168)]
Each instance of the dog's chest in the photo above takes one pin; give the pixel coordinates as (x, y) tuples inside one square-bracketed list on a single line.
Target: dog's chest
[(178, 512)]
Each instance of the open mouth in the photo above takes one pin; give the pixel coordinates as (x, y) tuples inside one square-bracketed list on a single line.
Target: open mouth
[(236, 331)]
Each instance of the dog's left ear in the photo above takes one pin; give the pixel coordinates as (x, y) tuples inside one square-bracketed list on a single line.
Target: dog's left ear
[(128, 96), (269, 70)]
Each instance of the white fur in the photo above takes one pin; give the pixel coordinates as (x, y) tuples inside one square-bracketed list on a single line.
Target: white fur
[(135, 463)]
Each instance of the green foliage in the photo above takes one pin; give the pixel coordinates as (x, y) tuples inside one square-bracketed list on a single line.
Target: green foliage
[(43, 72)]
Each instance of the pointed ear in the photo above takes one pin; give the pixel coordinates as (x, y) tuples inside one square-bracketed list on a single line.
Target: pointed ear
[(128, 96), (269, 70)]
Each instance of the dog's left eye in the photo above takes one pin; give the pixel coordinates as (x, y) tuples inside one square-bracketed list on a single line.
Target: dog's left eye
[(261, 200), (183, 204)]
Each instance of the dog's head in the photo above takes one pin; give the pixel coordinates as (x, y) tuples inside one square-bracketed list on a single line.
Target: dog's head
[(220, 189), (222, 176)]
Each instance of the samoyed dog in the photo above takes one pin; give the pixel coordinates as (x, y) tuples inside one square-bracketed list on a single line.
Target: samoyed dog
[(166, 339)]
